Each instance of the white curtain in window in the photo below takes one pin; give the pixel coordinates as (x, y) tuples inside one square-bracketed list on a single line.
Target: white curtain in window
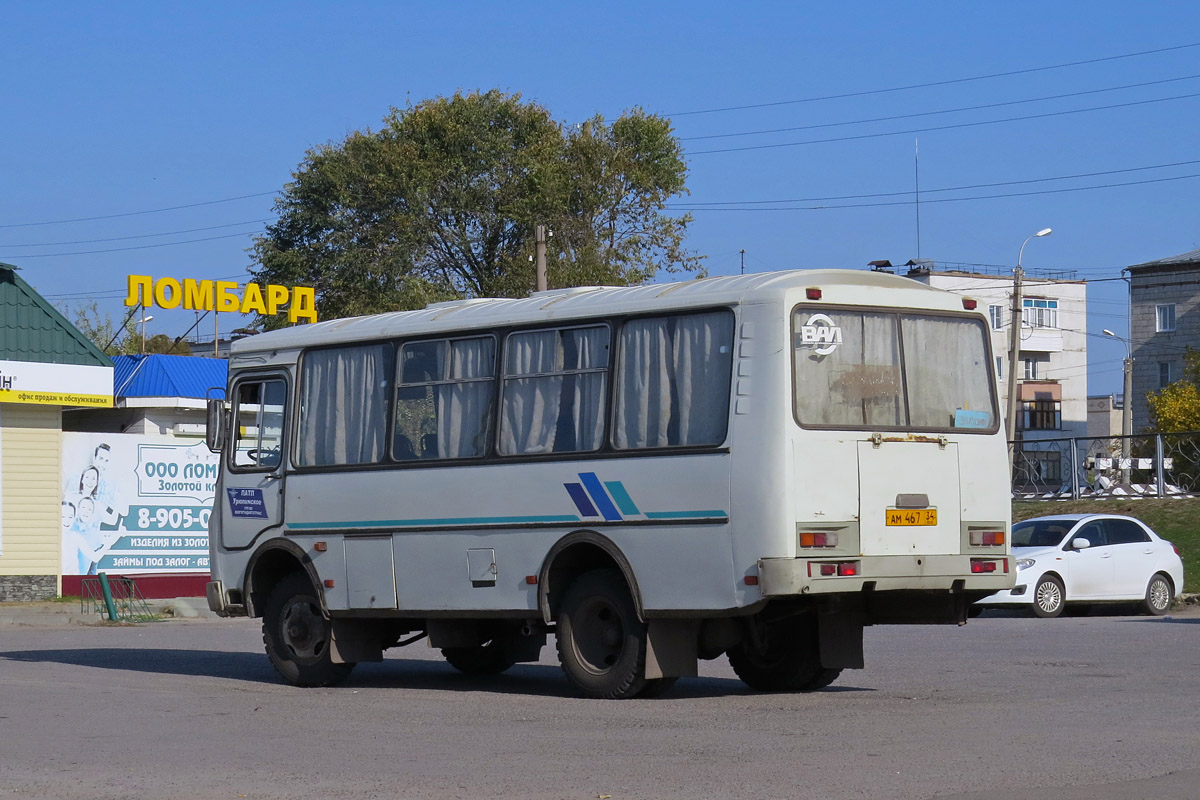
[(343, 405), (554, 391), (674, 381), (858, 382), (464, 408), (947, 371)]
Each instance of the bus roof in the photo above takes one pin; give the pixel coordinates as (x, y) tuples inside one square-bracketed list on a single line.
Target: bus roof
[(838, 286)]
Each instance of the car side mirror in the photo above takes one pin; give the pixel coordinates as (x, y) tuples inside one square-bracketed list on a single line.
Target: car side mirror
[(1080, 543), (214, 427)]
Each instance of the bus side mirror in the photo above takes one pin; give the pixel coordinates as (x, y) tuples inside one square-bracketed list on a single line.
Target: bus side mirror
[(214, 428)]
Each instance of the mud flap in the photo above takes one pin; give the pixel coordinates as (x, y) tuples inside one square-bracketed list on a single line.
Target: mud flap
[(671, 648), (840, 638), (354, 641)]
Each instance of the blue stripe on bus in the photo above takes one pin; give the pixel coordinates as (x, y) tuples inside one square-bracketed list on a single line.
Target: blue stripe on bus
[(624, 501), (599, 496), (581, 499), (402, 523), (686, 514)]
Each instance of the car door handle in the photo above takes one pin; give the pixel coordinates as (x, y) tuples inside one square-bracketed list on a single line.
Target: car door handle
[(1106, 555)]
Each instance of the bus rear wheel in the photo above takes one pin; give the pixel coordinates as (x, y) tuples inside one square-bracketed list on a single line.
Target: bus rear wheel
[(784, 655), (298, 637), (601, 641)]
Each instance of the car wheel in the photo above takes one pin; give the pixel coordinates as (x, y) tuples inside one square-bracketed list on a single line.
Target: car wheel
[(785, 655), (1158, 596), (601, 642), (491, 658), (297, 635), (1048, 597)]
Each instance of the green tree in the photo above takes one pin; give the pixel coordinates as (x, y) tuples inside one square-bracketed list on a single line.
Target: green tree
[(1176, 408), (442, 202), (100, 329)]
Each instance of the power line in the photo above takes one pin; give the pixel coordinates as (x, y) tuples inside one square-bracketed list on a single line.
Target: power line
[(143, 235), (945, 127), (124, 249), (692, 207), (951, 188), (136, 213), (948, 82), (936, 113)]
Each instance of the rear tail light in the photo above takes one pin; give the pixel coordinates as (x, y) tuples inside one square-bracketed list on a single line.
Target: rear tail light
[(1175, 547), (987, 538), (979, 565), (818, 539), (842, 569)]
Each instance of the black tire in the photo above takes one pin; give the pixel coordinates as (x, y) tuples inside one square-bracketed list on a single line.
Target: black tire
[(1159, 594), (974, 611), (1048, 597), (785, 657), (601, 642), (490, 658), (297, 635)]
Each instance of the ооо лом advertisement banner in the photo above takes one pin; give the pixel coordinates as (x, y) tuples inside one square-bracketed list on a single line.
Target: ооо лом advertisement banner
[(135, 504)]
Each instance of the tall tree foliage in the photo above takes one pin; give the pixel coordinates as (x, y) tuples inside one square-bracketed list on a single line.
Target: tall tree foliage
[(442, 202)]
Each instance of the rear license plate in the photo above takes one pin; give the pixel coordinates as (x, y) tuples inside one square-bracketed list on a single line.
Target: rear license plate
[(911, 516)]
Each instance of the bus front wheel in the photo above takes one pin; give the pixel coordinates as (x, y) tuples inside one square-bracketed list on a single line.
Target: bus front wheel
[(601, 641), (783, 655), (297, 636)]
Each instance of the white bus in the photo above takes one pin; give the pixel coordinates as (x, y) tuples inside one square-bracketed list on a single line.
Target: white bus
[(756, 466)]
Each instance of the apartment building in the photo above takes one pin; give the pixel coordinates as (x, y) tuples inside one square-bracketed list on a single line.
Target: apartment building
[(1164, 320)]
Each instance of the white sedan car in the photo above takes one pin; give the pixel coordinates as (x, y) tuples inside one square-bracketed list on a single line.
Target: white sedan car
[(1090, 558)]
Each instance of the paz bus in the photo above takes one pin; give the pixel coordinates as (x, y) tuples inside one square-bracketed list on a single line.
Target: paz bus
[(755, 466)]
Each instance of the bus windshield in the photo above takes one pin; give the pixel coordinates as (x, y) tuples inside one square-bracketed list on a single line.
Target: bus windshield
[(881, 369)]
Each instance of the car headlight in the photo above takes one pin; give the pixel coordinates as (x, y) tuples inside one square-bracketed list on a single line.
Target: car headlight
[(1025, 563)]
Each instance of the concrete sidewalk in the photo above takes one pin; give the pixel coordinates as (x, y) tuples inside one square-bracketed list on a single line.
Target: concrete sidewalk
[(67, 614)]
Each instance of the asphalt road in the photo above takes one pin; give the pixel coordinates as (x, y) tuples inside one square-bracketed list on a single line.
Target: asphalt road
[(1099, 707)]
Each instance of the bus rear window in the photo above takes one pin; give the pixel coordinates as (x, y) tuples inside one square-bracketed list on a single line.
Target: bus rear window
[(874, 369)]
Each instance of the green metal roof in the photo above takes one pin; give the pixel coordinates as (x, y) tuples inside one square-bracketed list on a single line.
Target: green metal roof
[(32, 330)]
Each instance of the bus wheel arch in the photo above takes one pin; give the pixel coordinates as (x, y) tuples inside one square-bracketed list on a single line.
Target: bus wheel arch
[(271, 564), (574, 555)]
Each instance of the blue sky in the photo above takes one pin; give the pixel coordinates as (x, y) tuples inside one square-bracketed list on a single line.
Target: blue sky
[(117, 108)]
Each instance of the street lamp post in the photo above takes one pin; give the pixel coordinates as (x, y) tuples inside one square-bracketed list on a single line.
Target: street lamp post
[(1014, 346), (1127, 409)]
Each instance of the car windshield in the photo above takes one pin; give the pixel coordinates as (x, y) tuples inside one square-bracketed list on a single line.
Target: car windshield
[(1040, 532)]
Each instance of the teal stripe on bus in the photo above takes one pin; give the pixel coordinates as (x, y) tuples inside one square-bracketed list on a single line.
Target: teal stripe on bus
[(686, 515), (403, 523)]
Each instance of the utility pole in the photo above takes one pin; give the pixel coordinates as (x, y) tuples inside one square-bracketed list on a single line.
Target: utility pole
[(539, 235), (743, 252), (1014, 347)]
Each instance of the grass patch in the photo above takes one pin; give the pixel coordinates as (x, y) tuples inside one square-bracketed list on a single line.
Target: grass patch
[(1176, 520)]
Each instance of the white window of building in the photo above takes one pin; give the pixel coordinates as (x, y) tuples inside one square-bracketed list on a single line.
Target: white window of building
[(1164, 317), (1040, 313), (997, 315), (999, 368), (1031, 369)]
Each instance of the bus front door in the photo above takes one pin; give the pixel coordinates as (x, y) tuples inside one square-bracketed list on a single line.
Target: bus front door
[(253, 479)]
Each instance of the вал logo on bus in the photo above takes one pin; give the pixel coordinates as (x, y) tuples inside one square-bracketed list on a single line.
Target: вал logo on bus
[(820, 334)]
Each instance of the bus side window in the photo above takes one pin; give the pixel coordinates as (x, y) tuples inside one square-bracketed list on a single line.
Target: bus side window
[(673, 377), (555, 384), (445, 399), (344, 394)]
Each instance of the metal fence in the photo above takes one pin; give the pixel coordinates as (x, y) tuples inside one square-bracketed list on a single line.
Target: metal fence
[(1145, 465)]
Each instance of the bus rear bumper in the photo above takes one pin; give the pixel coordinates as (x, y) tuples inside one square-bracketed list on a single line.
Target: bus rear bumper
[(809, 576)]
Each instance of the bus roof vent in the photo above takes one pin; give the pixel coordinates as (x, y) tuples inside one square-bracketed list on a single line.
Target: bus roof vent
[(569, 290)]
